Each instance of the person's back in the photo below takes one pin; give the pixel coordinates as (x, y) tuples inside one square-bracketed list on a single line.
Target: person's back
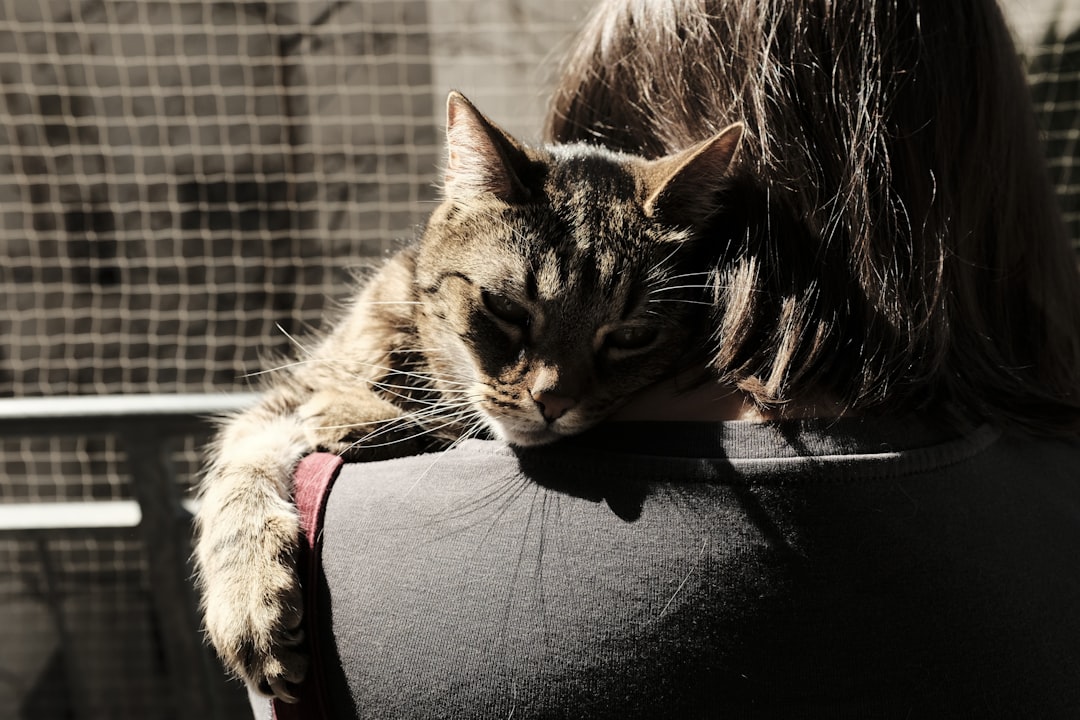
[(801, 569)]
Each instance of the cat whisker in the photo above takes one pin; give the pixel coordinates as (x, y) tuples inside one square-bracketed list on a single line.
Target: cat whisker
[(680, 287), (437, 410), (435, 405), (293, 340), (658, 265), (674, 300), (439, 413), (469, 433), (427, 401), (348, 426), (390, 387), (363, 442), (686, 578), (428, 353), (279, 368), (693, 273), (415, 351), (682, 276), (427, 377), (389, 302)]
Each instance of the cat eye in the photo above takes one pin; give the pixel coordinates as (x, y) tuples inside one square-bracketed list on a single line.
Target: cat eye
[(506, 309), (631, 337)]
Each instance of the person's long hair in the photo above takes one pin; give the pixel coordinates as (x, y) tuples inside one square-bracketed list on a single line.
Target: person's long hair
[(893, 241)]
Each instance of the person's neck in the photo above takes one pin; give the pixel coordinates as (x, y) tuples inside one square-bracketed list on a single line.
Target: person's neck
[(686, 397)]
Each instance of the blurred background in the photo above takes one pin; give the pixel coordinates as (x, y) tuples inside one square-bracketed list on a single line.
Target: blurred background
[(183, 185)]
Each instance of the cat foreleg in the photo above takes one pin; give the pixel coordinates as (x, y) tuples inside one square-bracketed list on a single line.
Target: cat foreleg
[(246, 550)]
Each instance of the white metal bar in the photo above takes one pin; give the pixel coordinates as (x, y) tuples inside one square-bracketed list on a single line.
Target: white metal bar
[(70, 515), (123, 405)]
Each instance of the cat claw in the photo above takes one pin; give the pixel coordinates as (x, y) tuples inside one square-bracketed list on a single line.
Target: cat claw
[(284, 682), (276, 671), (282, 690)]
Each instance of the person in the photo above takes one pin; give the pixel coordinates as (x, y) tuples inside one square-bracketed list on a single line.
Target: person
[(873, 511)]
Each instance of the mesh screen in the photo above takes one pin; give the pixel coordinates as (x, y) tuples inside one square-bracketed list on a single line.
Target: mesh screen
[(1055, 78), (184, 177)]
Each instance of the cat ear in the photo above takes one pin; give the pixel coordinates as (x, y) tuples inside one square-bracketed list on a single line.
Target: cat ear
[(684, 185), (481, 157)]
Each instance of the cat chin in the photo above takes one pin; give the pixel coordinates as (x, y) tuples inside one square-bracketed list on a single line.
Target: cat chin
[(519, 437)]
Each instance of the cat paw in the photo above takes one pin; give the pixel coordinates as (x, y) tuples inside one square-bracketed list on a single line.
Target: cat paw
[(260, 637), (252, 599)]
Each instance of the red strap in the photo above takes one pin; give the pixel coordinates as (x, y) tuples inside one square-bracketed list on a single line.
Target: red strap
[(314, 476)]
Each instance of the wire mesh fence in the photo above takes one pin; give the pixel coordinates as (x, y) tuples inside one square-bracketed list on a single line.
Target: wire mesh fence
[(186, 176), (189, 183), (1055, 79)]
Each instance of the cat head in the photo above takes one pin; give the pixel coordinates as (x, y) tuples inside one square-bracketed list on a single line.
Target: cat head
[(556, 281)]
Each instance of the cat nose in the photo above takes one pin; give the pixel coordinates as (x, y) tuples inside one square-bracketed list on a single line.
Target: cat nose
[(552, 406)]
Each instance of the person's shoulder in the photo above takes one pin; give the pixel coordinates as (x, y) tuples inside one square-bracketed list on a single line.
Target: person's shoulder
[(1047, 456), (462, 466)]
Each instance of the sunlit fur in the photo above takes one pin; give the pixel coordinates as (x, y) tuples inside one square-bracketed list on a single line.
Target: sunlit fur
[(605, 293)]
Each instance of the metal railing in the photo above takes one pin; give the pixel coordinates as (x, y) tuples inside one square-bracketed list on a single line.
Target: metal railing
[(144, 425)]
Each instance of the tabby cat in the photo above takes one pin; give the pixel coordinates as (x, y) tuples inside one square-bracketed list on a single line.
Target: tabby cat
[(549, 285)]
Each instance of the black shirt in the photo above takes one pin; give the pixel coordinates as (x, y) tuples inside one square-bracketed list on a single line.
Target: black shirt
[(813, 569)]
